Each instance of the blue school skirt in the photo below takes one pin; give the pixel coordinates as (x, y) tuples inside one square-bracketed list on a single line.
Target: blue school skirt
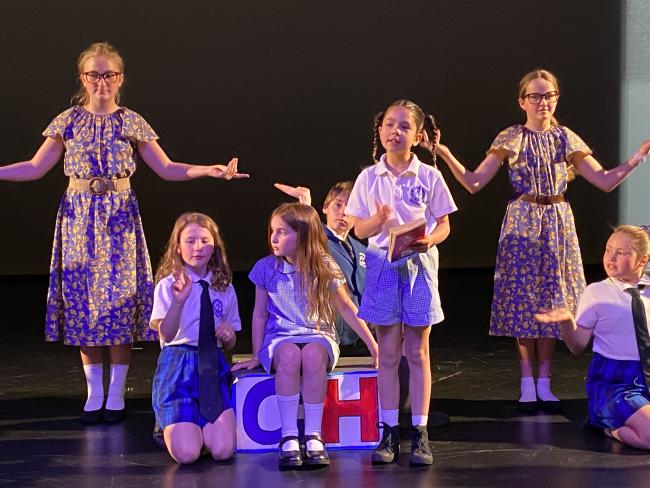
[(175, 389), (615, 390)]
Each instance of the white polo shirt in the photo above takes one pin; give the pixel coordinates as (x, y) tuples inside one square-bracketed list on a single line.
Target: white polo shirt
[(419, 192), (224, 304), (607, 309)]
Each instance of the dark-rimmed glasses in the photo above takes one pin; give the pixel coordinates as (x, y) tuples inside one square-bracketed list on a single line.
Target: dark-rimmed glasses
[(94, 77), (535, 98)]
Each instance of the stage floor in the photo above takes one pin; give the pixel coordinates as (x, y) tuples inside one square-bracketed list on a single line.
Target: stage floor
[(487, 443)]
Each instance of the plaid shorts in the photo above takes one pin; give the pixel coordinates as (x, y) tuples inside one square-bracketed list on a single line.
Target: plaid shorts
[(175, 389), (402, 292), (615, 389)]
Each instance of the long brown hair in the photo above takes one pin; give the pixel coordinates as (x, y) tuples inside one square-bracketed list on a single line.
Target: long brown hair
[(96, 49), (313, 264), (172, 262), (534, 75)]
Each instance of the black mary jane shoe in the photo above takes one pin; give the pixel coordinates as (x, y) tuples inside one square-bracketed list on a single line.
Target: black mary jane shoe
[(527, 408), (551, 408), (316, 457), (113, 416), (289, 459), (90, 417)]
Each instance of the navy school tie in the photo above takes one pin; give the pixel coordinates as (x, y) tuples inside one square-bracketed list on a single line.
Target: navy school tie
[(641, 330), (348, 248), (210, 401)]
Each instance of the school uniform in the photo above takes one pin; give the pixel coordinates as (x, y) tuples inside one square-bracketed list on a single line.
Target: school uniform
[(405, 291), (615, 384), (353, 267), (288, 317), (175, 389)]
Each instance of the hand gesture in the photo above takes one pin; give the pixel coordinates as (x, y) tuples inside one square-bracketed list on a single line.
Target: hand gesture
[(374, 352), (224, 332), (252, 363), (226, 172), (302, 193), (420, 245), (383, 212), (429, 144), (555, 315), (181, 286), (640, 156)]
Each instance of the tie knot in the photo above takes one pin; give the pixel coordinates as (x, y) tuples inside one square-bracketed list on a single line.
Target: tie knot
[(634, 291), (204, 284)]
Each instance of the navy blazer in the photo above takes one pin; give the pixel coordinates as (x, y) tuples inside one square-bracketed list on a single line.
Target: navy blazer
[(355, 276)]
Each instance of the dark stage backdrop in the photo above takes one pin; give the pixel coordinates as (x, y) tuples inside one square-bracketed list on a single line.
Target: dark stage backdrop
[(291, 87)]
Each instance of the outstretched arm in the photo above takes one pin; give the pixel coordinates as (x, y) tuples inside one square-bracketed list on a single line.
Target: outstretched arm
[(159, 162), (575, 337), (607, 180), (43, 161), (348, 311), (260, 316)]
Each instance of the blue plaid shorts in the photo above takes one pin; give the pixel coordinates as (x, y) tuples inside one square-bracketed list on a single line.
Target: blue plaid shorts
[(402, 292), (615, 389), (175, 389)]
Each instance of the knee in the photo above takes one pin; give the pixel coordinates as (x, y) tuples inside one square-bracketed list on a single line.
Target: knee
[(288, 359), (417, 356), (184, 453), (389, 359), (314, 360), (223, 450)]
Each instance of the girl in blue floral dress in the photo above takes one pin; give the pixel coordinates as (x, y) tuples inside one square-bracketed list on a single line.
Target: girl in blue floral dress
[(101, 284), (538, 257)]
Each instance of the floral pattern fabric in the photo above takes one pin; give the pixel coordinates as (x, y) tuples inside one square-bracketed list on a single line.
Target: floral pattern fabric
[(101, 284), (538, 261)]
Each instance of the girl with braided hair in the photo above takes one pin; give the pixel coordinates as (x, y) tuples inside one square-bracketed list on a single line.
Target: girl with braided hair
[(401, 298)]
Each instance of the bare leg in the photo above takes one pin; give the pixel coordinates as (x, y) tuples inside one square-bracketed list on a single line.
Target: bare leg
[(286, 362), (120, 354), (416, 342), (91, 354), (526, 352), (389, 340), (314, 373), (220, 437), (636, 431), (184, 441)]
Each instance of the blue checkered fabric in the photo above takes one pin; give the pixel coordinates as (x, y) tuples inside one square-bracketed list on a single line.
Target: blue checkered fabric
[(402, 292), (615, 390), (175, 389)]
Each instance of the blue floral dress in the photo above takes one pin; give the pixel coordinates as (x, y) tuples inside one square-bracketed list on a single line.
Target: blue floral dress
[(538, 258), (101, 284)]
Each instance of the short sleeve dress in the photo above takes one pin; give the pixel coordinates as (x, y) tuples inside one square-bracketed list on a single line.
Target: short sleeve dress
[(538, 261), (101, 285), (288, 319)]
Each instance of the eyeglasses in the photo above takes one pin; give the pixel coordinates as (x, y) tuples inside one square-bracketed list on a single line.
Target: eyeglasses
[(535, 98), (109, 77)]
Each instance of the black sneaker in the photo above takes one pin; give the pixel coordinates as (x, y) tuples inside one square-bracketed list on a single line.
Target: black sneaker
[(420, 450), (388, 449)]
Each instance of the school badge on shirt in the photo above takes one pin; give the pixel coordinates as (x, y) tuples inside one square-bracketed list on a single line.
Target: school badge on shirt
[(217, 306), (416, 194), (362, 259)]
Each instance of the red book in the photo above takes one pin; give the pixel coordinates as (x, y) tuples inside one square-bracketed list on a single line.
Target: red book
[(401, 237)]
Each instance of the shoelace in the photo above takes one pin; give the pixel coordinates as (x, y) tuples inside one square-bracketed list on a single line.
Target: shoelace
[(386, 437), (420, 443)]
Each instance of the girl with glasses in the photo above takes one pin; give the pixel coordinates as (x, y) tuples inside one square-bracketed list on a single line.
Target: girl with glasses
[(538, 258), (101, 284)]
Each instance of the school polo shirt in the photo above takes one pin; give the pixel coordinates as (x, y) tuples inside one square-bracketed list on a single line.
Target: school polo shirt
[(419, 192), (224, 304), (607, 309)]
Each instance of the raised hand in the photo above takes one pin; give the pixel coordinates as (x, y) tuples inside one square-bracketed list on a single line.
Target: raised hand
[(302, 193), (383, 212), (228, 172), (181, 286), (429, 144)]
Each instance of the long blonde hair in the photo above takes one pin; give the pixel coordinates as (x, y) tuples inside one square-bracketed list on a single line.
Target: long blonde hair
[(172, 262), (96, 49), (311, 260), (534, 75)]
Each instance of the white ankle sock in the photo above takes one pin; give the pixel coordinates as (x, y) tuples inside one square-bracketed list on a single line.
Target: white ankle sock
[(313, 423), (288, 407), (115, 400), (527, 386), (544, 390), (95, 386), (391, 417), (419, 420)]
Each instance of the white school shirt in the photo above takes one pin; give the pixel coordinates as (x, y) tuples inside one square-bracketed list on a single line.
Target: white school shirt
[(419, 192), (224, 304), (607, 309)]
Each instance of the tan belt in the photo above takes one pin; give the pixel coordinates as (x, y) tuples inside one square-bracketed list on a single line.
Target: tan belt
[(540, 199), (99, 185)]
